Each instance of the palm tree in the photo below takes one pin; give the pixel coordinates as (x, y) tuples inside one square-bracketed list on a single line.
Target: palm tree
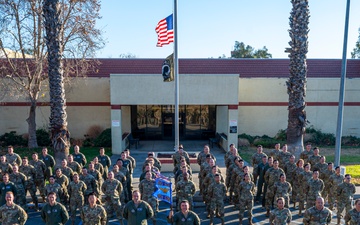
[(58, 118), (296, 85)]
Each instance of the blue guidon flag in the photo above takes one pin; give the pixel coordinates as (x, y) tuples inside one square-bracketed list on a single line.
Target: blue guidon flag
[(163, 189), (165, 31)]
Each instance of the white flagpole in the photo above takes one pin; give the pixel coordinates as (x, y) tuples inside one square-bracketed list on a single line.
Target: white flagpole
[(176, 77)]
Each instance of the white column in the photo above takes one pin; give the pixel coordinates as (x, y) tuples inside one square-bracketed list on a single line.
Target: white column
[(116, 130), (233, 115)]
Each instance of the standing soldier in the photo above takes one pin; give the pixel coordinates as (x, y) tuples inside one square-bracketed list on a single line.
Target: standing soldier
[(75, 166), (345, 195), (276, 152), (315, 158), (147, 189), (217, 192), (19, 180), (313, 189), (96, 174), (321, 166), (280, 215), (122, 178), (6, 186), (296, 187), (91, 183), (54, 187), (99, 167), (201, 158), (305, 155), (228, 153), (93, 214), (132, 159), (11, 157), (54, 212), (185, 190), (317, 214), (10, 213), (30, 173), (282, 189), (64, 183), (76, 191), (290, 169), (256, 160), (5, 167), (40, 168), (105, 161), (271, 176), (208, 181), (78, 156), (234, 195), (137, 211), (184, 217), (305, 176), (353, 216), (334, 181), (284, 157), (127, 164), (325, 176), (49, 162), (112, 189), (125, 171), (179, 154), (246, 194), (261, 181), (67, 171)]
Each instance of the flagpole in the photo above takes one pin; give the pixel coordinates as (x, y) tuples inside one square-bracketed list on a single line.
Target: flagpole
[(176, 76)]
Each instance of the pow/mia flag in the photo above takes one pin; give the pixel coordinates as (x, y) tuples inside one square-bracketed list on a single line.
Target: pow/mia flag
[(168, 68)]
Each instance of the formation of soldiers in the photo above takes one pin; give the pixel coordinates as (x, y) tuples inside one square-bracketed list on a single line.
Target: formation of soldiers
[(277, 181)]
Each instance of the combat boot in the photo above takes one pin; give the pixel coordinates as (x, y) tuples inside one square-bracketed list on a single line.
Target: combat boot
[(267, 213)]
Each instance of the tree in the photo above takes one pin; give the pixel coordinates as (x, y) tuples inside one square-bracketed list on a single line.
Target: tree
[(296, 85), (127, 55), (242, 51), (24, 71), (355, 54)]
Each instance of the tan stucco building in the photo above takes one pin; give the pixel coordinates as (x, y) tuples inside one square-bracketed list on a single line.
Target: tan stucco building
[(229, 96)]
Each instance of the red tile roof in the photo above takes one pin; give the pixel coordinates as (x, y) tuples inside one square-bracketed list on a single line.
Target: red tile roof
[(246, 68)]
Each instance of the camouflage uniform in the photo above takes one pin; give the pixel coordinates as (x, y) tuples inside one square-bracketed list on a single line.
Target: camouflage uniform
[(185, 190), (304, 178), (275, 154), (99, 167), (271, 176), (255, 160), (345, 195), (64, 183), (284, 159), (147, 188), (106, 162), (5, 188), (91, 185), (5, 168), (50, 163), (177, 157), (305, 155), (313, 190), (112, 190), (80, 158), (313, 216), (217, 192), (93, 216), (68, 172), (334, 181), (290, 169), (56, 188), (12, 215), (19, 180), (282, 190), (121, 177), (125, 171), (280, 217), (296, 187), (237, 171), (76, 194), (75, 166), (39, 180), (96, 174), (13, 159), (229, 171), (246, 193), (313, 160), (29, 172), (325, 176), (352, 217)]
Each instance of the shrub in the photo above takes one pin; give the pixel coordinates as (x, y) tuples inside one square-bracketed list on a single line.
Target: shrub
[(247, 136), (12, 138), (104, 139), (266, 142), (43, 137)]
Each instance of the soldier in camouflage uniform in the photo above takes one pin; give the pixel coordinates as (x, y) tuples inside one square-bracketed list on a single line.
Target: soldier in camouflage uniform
[(237, 171), (112, 189), (180, 153), (246, 192), (49, 162), (296, 187), (325, 176), (10, 213), (78, 156), (125, 171), (231, 157), (122, 178), (105, 161), (5, 167), (284, 157), (67, 171), (99, 167), (185, 190), (19, 180), (228, 153), (334, 182), (75, 166), (217, 192), (40, 168), (30, 173), (345, 195), (290, 169), (204, 171), (201, 158), (280, 215), (353, 216), (11, 157), (321, 165), (315, 158), (230, 170), (305, 155), (317, 214), (271, 176), (91, 183), (305, 176), (208, 181), (147, 189), (256, 159), (55, 188), (64, 183), (93, 214), (282, 188), (313, 189), (276, 152), (76, 190), (96, 174), (128, 164)]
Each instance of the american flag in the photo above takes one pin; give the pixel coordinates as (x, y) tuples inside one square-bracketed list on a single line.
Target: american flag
[(165, 31)]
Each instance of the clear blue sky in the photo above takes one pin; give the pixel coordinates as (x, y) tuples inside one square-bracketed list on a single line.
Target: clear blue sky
[(209, 28)]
